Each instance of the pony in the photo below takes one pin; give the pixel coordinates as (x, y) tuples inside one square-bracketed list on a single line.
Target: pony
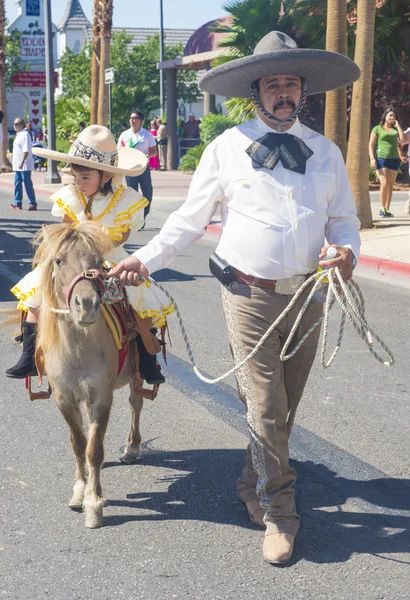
[(80, 357)]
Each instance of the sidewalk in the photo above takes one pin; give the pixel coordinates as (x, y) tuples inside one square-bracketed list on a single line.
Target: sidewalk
[(385, 248)]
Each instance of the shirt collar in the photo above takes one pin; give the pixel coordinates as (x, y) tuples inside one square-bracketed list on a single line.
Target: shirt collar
[(261, 126)]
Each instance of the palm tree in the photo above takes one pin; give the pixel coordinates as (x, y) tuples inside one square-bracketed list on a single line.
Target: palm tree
[(106, 29), (336, 102), (251, 20), (3, 87), (357, 156), (391, 27), (95, 68)]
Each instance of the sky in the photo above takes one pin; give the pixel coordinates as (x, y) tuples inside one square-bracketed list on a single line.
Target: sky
[(178, 14)]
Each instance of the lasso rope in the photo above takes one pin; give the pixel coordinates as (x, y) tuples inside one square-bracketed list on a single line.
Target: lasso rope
[(348, 296)]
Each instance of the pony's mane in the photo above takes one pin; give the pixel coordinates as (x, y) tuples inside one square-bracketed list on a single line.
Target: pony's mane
[(52, 240)]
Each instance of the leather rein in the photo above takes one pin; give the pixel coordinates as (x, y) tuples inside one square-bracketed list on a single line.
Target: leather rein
[(93, 275)]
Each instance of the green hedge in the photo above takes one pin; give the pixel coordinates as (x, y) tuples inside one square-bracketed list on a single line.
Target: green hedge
[(211, 127)]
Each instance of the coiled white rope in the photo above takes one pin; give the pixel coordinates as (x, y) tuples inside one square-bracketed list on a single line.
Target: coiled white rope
[(347, 294)]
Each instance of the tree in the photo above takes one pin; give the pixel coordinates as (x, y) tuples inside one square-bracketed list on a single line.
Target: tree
[(3, 86), (336, 105), (251, 20), (391, 36), (10, 64), (95, 69), (69, 113), (76, 72), (106, 29), (357, 156)]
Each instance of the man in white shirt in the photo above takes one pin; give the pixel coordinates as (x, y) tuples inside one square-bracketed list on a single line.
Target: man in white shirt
[(282, 188), (23, 164), (141, 139)]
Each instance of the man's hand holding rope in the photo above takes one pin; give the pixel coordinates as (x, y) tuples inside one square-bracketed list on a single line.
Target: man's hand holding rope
[(129, 271), (343, 260)]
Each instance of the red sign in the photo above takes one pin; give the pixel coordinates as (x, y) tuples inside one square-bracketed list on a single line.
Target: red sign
[(32, 79)]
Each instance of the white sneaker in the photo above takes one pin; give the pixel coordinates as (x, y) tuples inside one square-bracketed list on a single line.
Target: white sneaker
[(407, 207)]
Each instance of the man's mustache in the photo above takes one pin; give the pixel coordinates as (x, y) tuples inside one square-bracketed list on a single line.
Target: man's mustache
[(283, 103)]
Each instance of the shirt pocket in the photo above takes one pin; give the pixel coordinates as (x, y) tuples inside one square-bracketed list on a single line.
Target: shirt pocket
[(324, 189)]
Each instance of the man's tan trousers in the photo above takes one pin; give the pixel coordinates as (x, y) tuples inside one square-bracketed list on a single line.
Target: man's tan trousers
[(271, 390)]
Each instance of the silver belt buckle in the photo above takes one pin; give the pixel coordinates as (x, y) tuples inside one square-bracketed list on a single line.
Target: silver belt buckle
[(290, 285)]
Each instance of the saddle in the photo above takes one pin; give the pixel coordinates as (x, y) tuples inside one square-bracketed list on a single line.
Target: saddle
[(125, 326)]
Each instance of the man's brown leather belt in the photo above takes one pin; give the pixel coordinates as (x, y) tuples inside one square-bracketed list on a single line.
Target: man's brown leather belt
[(268, 284)]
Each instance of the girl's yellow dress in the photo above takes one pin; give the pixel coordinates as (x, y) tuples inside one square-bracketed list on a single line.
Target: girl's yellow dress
[(117, 212)]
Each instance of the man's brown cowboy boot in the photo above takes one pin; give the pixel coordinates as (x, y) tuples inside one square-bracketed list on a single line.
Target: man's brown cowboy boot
[(278, 547)]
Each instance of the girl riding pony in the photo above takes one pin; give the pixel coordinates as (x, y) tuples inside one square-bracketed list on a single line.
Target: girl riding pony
[(99, 194)]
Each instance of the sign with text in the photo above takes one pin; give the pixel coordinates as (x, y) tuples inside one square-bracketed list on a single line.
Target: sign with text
[(109, 76), (32, 79)]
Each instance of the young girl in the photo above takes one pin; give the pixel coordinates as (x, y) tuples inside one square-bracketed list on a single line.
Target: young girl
[(98, 194)]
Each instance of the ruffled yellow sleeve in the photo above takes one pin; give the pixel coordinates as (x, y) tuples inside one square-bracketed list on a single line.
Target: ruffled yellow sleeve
[(130, 213), (68, 201)]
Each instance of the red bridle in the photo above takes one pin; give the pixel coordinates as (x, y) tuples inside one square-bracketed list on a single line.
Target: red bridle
[(93, 275)]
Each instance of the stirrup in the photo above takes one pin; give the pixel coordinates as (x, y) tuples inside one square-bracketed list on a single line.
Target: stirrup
[(44, 395)]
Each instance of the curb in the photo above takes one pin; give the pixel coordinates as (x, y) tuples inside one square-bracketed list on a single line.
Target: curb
[(380, 266)]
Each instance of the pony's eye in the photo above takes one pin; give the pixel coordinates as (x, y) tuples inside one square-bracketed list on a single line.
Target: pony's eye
[(59, 262)]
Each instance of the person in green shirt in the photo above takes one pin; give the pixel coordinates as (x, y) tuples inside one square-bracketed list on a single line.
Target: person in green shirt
[(385, 156)]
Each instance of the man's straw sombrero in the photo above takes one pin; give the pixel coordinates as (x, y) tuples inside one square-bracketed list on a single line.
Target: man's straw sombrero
[(95, 148)]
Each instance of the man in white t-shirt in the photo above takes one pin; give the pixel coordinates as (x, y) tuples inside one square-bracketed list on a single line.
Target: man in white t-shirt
[(141, 139), (23, 164), (407, 134)]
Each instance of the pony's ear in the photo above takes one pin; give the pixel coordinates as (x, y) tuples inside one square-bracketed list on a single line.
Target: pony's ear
[(44, 233)]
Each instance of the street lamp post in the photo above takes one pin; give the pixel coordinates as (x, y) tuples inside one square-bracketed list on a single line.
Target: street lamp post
[(52, 175), (161, 59)]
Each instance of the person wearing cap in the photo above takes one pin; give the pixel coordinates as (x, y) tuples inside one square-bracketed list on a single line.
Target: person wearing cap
[(98, 194), (191, 131), (282, 190), (139, 138)]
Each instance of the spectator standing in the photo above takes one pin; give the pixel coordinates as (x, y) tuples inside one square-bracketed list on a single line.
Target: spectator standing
[(30, 129), (23, 164), (141, 139), (191, 131), (384, 138), (154, 161), (162, 140)]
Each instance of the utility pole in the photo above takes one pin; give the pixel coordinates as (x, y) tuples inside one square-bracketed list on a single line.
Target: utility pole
[(161, 59), (52, 175)]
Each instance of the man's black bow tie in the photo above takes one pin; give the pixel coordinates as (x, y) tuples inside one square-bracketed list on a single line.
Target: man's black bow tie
[(271, 148)]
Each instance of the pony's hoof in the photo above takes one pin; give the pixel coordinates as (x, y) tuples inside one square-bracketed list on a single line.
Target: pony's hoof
[(129, 458), (94, 519), (76, 504), (77, 500)]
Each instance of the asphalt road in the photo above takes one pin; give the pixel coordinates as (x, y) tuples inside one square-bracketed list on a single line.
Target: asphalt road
[(173, 525)]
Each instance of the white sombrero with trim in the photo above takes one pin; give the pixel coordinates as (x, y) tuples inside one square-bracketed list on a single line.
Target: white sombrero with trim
[(278, 54), (95, 148)]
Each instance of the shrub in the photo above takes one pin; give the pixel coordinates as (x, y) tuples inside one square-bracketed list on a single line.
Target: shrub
[(213, 125), (190, 161)]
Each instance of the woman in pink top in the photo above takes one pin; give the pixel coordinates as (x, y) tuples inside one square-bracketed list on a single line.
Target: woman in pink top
[(154, 161)]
